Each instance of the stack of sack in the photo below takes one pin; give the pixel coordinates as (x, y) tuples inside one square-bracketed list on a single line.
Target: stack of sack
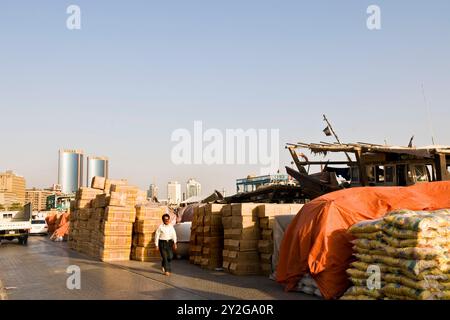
[(410, 249), (148, 219)]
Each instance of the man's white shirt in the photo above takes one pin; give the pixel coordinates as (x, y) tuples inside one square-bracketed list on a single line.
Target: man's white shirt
[(165, 232)]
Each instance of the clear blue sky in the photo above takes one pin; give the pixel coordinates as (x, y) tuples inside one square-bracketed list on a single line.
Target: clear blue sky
[(140, 69)]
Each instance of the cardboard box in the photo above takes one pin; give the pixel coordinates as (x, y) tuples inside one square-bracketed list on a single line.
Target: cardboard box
[(212, 231), (114, 254), (252, 233), (109, 182), (274, 209), (98, 183), (116, 228), (227, 222), (244, 269), (213, 242), (244, 209), (213, 220), (122, 214), (244, 222), (265, 258), (213, 209), (117, 199), (100, 201), (83, 204), (147, 226), (146, 240), (85, 193), (149, 213), (240, 245), (265, 246), (226, 210), (245, 257), (267, 234)]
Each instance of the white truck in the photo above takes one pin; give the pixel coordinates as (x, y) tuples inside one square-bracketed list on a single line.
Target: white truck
[(16, 227)]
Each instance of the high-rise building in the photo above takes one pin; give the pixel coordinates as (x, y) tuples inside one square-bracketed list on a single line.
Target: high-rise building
[(96, 167), (174, 192), (12, 187), (70, 170), (193, 188), (37, 198), (152, 191)]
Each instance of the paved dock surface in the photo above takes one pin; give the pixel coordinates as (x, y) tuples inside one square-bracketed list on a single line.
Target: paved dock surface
[(38, 271)]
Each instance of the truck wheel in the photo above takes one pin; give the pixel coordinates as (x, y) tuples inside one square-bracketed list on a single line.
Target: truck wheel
[(20, 240), (25, 241)]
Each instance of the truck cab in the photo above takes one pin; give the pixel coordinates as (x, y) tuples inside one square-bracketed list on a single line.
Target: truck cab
[(16, 225)]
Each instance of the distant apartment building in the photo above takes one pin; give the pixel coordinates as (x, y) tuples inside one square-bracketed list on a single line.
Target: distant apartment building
[(38, 198), (96, 167), (193, 188), (12, 188), (70, 170), (174, 192), (152, 191)]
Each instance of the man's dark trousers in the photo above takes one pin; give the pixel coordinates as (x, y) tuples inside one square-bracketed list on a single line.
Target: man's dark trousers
[(165, 248)]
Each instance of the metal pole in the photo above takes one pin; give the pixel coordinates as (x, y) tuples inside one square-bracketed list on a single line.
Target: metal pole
[(335, 135)]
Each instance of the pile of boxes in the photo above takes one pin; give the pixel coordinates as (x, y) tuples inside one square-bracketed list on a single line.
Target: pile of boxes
[(266, 215), (148, 219), (103, 219), (213, 237), (241, 235), (196, 239)]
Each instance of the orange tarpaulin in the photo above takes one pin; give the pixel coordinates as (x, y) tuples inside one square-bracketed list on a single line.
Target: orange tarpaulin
[(317, 241)]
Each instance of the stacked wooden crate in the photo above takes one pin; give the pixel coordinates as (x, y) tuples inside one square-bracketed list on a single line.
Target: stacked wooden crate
[(213, 237), (148, 219), (241, 235)]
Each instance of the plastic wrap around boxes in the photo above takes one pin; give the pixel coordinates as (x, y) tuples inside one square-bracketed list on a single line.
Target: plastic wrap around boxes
[(237, 237), (102, 223)]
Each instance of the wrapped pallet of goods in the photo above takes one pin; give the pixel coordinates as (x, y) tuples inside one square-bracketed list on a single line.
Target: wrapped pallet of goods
[(241, 236), (266, 214), (409, 249), (212, 237), (148, 219)]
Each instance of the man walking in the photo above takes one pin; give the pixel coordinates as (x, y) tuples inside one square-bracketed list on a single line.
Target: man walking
[(165, 240)]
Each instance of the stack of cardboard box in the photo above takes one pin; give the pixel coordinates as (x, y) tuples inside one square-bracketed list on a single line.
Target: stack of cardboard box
[(196, 239), (212, 237), (266, 215), (148, 219), (103, 220), (241, 235)]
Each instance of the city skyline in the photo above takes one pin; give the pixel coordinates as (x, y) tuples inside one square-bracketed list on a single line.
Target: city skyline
[(133, 75)]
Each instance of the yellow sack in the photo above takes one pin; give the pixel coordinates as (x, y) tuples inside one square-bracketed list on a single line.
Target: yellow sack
[(423, 242), (367, 226), (363, 291), (419, 220), (432, 285), (368, 251), (411, 234), (419, 253), (369, 244), (403, 291)]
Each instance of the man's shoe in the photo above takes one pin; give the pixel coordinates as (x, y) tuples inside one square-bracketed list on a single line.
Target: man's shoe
[(163, 270)]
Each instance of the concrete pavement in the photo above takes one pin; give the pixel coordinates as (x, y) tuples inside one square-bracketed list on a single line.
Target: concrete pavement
[(38, 271)]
